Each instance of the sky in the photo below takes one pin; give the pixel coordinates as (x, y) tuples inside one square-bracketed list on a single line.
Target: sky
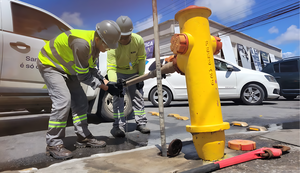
[(282, 32)]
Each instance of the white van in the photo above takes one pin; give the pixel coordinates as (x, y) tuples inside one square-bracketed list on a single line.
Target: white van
[(23, 29)]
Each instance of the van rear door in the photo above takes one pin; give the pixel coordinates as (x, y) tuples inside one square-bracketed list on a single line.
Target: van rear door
[(25, 30)]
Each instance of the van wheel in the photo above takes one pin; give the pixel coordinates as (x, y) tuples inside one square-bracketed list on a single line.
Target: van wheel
[(166, 93), (107, 107), (34, 110), (252, 94)]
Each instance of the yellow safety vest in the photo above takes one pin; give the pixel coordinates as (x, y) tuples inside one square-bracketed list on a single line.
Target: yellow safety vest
[(126, 58), (58, 54)]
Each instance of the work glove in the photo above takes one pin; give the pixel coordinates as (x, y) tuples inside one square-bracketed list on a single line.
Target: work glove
[(140, 85), (113, 89), (97, 74), (120, 83)]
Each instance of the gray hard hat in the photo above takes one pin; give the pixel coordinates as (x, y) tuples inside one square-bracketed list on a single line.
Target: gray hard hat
[(109, 32), (125, 25)]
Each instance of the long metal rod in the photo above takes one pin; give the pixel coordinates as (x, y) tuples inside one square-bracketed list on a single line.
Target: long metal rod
[(165, 69), (159, 83)]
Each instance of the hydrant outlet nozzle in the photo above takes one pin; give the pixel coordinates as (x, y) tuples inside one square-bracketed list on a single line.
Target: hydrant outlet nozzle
[(179, 43), (216, 44)]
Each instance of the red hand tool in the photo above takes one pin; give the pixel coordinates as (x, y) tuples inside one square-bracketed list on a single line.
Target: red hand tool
[(262, 153)]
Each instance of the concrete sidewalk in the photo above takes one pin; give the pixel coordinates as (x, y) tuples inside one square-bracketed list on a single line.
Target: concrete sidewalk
[(147, 160)]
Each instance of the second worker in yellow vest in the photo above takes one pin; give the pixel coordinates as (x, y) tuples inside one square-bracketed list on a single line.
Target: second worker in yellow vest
[(124, 62)]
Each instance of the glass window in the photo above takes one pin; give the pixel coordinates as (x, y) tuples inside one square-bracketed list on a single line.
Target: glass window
[(268, 69), (30, 22), (276, 68), (220, 65), (289, 66)]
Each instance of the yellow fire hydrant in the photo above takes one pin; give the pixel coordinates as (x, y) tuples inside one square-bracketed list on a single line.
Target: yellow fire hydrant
[(194, 48)]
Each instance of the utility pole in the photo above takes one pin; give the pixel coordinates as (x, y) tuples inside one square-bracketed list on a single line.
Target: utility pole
[(159, 83)]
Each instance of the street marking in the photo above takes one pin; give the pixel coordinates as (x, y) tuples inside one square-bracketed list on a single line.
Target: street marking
[(239, 123), (177, 116), (154, 113), (256, 128)]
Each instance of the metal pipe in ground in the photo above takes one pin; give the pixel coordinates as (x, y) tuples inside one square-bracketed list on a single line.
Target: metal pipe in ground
[(159, 83)]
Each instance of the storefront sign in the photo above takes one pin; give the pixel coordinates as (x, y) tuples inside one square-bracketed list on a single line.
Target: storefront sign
[(149, 46), (264, 58), (227, 49), (272, 58), (255, 58), (244, 56)]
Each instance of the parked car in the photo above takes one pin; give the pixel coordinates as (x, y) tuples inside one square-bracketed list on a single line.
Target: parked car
[(286, 72), (235, 83)]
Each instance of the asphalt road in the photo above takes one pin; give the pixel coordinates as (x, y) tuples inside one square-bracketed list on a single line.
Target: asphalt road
[(22, 135)]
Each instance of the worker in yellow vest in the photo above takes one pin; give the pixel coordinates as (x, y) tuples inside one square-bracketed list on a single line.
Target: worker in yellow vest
[(124, 62), (64, 62)]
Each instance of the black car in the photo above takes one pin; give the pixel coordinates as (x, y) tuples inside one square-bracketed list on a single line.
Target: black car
[(286, 72)]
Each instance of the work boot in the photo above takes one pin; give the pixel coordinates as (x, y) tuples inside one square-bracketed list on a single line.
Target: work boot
[(58, 152), (89, 141), (118, 132), (142, 128)]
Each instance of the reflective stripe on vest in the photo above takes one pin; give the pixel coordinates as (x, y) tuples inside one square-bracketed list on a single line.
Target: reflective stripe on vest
[(142, 57), (54, 52), (112, 66), (58, 54), (54, 63)]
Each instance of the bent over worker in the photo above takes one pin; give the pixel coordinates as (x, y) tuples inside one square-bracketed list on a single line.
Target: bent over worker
[(64, 62), (124, 62)]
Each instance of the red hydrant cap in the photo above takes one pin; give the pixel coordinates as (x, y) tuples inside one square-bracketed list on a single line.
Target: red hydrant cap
[(194, 8)]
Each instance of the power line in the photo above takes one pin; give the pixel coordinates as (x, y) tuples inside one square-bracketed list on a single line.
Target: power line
[(246, 24), (255, 10), (179, 4), (144, 18), (270, 22), (261, 18), (165, 12)]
